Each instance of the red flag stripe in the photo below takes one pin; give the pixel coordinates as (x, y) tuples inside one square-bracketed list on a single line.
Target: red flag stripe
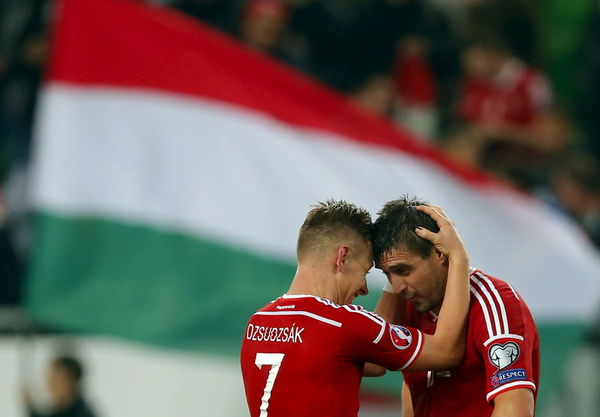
[(125, 44)]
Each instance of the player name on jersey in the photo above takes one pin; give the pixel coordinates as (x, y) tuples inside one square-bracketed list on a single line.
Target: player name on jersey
[(291, 334)]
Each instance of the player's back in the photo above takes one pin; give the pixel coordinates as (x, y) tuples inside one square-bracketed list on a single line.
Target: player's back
[(304, 356)]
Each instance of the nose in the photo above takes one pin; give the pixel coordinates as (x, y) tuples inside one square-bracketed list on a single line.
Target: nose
[(398, 285)]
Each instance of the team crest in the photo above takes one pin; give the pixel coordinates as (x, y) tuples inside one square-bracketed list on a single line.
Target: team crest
[(504, 355), (401, 336)]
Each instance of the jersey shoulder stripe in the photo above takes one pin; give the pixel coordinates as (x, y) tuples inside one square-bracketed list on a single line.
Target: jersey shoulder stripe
[(494, 306), (498, 299)]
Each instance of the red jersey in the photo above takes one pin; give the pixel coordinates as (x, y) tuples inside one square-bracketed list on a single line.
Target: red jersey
[(304, 356), (515, 97), (502, 353)]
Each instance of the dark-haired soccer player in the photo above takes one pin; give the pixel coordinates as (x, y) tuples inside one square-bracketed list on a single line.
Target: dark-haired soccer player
[(499, 373), (303, 354)]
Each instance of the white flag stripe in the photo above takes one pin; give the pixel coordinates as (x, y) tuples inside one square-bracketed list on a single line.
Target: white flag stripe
[(208, 169), (498, 299)]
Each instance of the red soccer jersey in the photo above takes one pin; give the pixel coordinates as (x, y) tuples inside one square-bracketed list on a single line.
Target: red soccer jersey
[(304, 356), (502, 353), (515, 98)]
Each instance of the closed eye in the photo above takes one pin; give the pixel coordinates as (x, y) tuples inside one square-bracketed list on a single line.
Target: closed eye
[(401, 270)]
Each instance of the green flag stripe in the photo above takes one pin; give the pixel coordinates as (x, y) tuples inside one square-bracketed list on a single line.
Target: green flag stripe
[(148, 285)]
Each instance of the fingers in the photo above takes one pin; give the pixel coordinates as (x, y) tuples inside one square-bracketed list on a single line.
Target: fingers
[(426, 234), (436, 213)]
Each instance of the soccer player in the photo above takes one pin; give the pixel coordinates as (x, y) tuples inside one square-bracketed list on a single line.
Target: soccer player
[(303, 354), (499, 373)]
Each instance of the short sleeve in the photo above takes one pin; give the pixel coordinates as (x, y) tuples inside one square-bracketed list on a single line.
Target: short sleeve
[(508, 365), (370, 338), (504, 338)]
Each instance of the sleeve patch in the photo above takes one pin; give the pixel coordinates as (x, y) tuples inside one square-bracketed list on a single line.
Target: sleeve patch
[(510, 375), (503, 355), (401, 337)]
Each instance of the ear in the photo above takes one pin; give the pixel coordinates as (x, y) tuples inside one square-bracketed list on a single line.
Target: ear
[(341, 257), (442, 258)]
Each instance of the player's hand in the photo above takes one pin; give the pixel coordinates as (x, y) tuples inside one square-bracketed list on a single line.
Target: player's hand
[(447, 241)]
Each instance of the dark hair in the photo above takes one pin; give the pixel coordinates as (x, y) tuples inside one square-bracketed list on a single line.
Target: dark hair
[(395, 227), (71, 366), (334, 220)]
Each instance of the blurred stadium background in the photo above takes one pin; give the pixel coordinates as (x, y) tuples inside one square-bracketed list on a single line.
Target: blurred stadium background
[(158, 157)]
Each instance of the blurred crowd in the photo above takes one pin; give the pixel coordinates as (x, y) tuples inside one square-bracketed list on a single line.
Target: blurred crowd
[(465, 75)]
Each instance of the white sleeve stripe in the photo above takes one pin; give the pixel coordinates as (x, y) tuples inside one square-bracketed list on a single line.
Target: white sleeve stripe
[(378, 338), (492, 307), (416, 352), (503, 336), (299, 313), (527, 384), (368, 315), (485, 312), (513, 290), (500, 301)]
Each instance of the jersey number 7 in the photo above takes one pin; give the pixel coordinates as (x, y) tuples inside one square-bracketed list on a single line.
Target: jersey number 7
[(273, 359)]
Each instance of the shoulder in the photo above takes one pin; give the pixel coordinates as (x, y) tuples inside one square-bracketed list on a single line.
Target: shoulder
[(359, 323), (495, 306)]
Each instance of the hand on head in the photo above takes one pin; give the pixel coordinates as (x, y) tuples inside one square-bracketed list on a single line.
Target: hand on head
[(447, 241)]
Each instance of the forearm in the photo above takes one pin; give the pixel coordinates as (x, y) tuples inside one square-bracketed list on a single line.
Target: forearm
[(450, 327), (372, 370), (508, 413), (407, 409), (515, 403)]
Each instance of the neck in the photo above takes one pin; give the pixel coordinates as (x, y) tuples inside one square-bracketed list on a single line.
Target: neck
[(310, 280)]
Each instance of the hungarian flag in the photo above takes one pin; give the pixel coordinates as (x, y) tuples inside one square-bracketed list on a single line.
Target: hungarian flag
[(173, 169)]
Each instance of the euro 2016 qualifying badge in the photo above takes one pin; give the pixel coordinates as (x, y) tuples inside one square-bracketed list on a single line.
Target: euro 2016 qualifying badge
[(401, 336)]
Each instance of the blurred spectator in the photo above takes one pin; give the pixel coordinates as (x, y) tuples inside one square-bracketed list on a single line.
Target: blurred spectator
[(415, 87), (524, 159), (513, 20), (464, 145), (23, 51), (65, 375), (263, 24), (500, 93), (22, 78), (576, 185), (376, 94), (265, 27)]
